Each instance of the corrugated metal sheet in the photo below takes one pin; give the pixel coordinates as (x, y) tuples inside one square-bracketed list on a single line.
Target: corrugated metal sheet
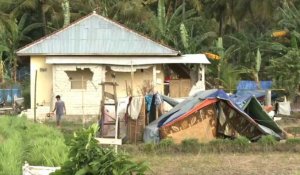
[(126, 60), (96, 35)]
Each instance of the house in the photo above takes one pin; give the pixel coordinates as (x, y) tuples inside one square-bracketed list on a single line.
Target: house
[(73, 61)]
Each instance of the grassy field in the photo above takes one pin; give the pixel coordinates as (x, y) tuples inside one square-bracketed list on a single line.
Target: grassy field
[(267, 162), (282, 158), (22, 140), (223, 164)]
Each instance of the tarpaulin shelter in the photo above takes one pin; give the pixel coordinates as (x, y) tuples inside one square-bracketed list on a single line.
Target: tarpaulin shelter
[(211, 114)]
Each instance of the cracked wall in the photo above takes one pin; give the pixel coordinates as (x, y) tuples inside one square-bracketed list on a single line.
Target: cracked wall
[(78, 101)]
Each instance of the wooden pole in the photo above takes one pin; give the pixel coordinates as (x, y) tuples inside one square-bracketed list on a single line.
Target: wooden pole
[(34, 101), (154, 78), (136, 121), (117, 116), (82, 101)]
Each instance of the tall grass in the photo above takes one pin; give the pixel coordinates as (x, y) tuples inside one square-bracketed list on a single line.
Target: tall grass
[(23, 141), (238, 145), (11, 155)]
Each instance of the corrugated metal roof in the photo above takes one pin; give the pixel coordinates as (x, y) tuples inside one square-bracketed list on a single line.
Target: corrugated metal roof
[(96, 35)]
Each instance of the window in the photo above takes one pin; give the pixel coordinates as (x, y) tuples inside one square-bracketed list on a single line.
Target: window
[(79, 78)]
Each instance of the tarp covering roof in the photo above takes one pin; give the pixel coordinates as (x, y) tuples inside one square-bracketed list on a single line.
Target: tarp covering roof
[(256, 118)]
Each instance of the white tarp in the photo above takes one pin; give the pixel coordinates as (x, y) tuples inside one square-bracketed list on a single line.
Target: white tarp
[(284, 108)]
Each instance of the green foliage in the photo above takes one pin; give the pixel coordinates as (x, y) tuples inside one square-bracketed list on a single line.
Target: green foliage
[(293, 141), (166, 143), (184, 36), (190, 145), (267, 140), (148, 148), (188, 26), (87, 157), (25, 141)]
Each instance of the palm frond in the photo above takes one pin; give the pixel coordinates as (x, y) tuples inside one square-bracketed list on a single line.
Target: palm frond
[(184, 36)]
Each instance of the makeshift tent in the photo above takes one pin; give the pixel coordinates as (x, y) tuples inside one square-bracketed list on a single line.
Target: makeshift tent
[(210, 114)]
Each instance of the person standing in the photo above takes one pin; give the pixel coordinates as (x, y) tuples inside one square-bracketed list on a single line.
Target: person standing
[(60, 109)]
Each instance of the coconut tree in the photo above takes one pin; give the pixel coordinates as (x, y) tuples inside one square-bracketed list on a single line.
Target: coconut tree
[(47, 12), (16, 35)]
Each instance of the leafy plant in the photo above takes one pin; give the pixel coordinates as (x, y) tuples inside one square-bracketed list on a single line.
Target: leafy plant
[(86, 157)]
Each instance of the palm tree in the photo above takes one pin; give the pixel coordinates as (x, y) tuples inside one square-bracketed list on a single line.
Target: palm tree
[(47, 12), (16, 35)]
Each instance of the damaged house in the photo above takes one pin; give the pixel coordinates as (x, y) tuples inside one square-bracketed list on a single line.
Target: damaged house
[(75, 60)]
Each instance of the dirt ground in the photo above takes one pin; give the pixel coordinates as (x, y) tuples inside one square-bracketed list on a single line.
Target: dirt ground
[(224, 164)]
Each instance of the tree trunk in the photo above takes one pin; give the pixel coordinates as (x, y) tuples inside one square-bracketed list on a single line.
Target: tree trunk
[(43, 16), (15, 65), (66, 8)]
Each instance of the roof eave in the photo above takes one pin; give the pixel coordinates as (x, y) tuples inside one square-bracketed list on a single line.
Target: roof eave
[(95, 54)]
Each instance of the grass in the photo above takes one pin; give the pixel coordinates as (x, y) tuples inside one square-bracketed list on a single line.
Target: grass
[(220, 156), (25, 141), (222, 164)]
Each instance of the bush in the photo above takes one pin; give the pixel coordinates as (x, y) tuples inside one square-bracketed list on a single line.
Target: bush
[(166, 143), (267, 140), (87, 157), (190, 145)]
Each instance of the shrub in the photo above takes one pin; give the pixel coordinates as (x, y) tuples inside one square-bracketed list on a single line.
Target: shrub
[(241, 144), (190, 145), (87, 157), (267, 140), (166, 142)]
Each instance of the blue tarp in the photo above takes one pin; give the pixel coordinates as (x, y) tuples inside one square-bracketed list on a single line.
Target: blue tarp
[(251, 85), (7, 95)]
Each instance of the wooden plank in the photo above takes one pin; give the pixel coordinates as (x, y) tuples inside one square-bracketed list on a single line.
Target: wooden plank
[(185, 85), (174, 88), (109, 141), (109, 83), (6, 109), (109, 95)]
